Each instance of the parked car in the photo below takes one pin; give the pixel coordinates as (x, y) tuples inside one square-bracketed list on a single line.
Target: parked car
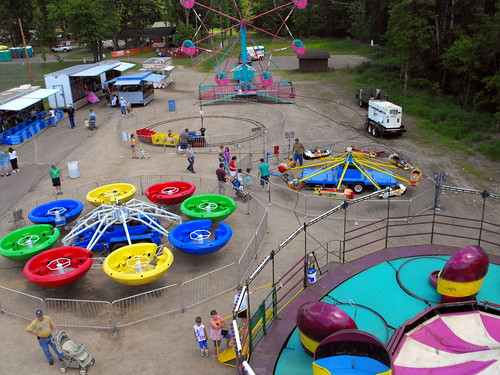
[(61, 48)]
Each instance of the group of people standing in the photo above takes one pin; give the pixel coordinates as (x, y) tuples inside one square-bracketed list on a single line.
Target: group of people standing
[(218, 331), (228, 164)]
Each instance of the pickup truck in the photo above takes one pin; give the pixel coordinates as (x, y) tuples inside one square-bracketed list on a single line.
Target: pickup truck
[(61, 48)]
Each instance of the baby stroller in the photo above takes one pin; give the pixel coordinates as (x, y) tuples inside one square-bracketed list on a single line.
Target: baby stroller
[(144, 154), (240, 191), (74, 356), (91, 124)]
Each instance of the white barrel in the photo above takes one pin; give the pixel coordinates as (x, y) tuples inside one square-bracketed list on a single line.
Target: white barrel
[(74, 171), (311, 275)]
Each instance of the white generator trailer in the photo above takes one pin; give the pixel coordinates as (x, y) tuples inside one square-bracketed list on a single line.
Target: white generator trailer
[(384, 118)]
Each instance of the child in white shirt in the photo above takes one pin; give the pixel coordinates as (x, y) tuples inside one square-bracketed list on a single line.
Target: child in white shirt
[(200, 335)]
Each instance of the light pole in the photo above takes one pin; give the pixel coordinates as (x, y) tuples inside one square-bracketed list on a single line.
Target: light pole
[(439, 179), (289, 136)]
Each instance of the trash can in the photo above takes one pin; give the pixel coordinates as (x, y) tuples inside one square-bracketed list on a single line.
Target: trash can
[(74, 171), (311, 275), (171, 105)]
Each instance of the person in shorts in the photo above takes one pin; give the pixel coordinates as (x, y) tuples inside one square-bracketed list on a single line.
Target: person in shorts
[(218, 330), (200, 335), (55, 174), (133, 146), (4, 163)]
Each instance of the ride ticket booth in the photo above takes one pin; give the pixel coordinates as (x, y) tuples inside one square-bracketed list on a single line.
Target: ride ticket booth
[(136, 87), (78, 83)]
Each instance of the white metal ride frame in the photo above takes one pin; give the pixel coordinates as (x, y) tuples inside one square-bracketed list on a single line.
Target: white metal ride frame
[(104, 216)]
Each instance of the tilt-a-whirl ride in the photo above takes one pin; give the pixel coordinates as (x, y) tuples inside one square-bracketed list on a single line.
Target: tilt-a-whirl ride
[(138, 264), (59, 266), (57, 213), (24, 243), (112, 193)]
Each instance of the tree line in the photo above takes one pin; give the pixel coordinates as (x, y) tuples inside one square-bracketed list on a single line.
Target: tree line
[(446, 45)]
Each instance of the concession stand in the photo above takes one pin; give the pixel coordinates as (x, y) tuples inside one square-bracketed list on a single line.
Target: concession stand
[(22, 113), (77, 83), (162, 66), (136, 87)]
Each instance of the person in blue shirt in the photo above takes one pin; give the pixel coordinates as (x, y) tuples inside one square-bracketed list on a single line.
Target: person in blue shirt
[(264, 175)]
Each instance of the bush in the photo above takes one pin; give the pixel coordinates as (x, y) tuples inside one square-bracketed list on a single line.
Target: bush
[(490, 148)]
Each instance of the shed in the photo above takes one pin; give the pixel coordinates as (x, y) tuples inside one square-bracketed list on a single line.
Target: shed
[(314, 61), (75, 82)]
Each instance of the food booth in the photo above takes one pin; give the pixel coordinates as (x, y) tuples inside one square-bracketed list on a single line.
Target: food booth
[(136, 87), (162, 66), (22, 114), (77, 83)]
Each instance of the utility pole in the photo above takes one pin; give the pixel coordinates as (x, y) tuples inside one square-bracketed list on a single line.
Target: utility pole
[(26, 52)]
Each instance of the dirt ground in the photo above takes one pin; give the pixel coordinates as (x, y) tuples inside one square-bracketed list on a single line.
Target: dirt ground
[(166, 345)]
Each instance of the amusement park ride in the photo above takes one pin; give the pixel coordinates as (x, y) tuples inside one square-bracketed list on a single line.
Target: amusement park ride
[(335, 175), (243, 71), (125, 231)]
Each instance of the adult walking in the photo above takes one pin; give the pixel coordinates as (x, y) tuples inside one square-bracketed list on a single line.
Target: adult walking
[(55, 174), (221, 178), (13, 160), (42, 327), (298, 151), (123, 105), (264, 175), (71, 116), (53, 118), (190, 158), (4, 163), (183, 139)]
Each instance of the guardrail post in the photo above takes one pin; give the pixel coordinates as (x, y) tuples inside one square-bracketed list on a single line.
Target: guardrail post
[(388, 219), (484, 194), (305, 255), (344, 206)]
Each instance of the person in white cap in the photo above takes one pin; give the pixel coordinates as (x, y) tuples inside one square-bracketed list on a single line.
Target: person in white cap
[(42, 328)]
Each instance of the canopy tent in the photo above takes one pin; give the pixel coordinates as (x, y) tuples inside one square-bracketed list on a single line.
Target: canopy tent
[(96, 70), (123, 66), (135, 78), (155, 78), (24, 101), (19, 104), (125, 82), (41, 93)]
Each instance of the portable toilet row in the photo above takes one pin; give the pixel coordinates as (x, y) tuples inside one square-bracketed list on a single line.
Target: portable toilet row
[(17, 53), (5, 55)]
